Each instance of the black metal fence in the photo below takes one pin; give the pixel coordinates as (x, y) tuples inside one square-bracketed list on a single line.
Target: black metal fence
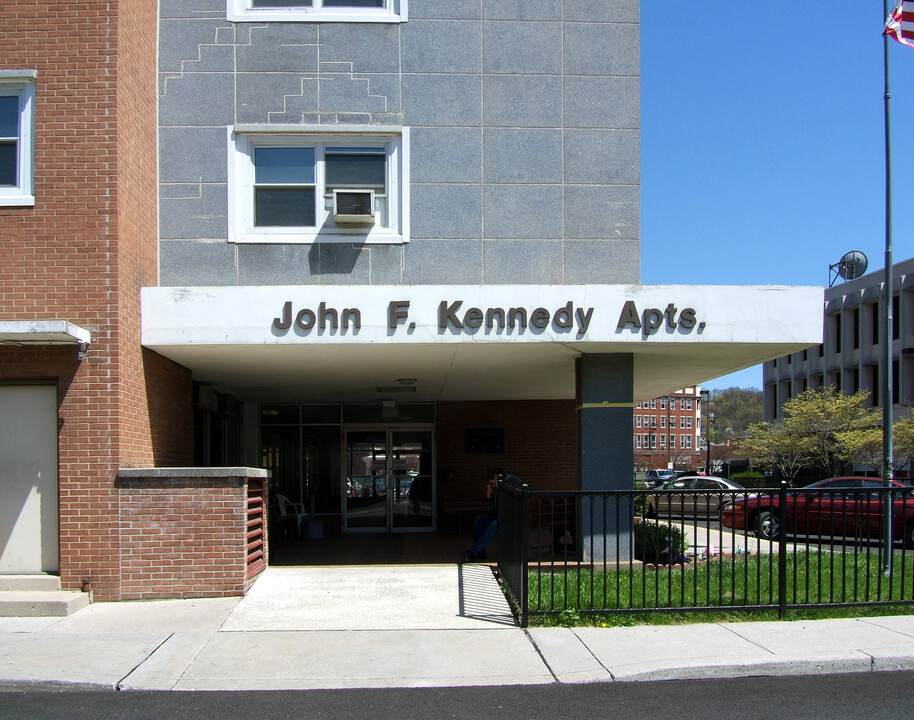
[(705, 550)]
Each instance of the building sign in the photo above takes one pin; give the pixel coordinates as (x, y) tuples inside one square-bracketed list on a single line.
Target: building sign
[(457, 316), (442, 314)]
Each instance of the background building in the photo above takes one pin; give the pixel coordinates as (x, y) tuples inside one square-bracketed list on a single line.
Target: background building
[(851, 356), (668, 431)]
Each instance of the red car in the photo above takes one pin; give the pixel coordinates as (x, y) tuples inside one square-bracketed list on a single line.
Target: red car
[(837, 507)]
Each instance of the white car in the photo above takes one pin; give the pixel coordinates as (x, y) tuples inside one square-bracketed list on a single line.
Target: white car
[(692, 495)]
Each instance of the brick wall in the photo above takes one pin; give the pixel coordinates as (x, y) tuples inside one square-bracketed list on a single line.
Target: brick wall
[(183, 536), (83, 252), (540, 445)]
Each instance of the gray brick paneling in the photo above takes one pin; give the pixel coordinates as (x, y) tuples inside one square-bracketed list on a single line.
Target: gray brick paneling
[(602, 102), (442, 46), (603, 157), (523, 47), (446, 155), (446, 211), (601, 49), (602, 261), (192, 155), (523, 261), (523, 156), (523, 101), (196, 263), (442, 100), (449, 262), (523, 211), (602, 211)]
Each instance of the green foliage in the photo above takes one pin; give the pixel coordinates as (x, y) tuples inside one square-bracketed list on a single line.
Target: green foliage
[(864, 446), (752, 479), (735, 409), (738, 582), (810, 431), (659, 543)]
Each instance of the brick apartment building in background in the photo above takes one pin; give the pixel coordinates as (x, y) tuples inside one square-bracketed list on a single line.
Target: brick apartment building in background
[(668, 431)]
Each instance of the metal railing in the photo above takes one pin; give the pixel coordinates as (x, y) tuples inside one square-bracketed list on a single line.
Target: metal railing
[(704, 550)]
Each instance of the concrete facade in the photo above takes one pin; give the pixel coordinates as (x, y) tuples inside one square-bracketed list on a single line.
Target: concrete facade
[(524, 130)]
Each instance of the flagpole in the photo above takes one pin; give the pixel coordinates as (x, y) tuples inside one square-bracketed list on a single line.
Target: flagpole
[(887, 398)]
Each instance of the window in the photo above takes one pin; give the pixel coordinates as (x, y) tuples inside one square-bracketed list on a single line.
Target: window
[(637, 420), (663, 442), (296, 187), (638, 440), (662, 422), (654, 404), (673, 442), (17, 131), (688, 441), (663, 403), (317, 10), (688, 422)]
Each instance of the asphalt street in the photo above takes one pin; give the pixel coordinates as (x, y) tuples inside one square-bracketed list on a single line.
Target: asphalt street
[(873, 696)]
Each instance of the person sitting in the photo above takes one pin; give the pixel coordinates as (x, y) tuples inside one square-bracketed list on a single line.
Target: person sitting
[(485, 526)]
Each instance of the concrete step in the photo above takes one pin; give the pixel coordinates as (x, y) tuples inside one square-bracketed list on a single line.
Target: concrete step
[(40, 581), (41, 603)]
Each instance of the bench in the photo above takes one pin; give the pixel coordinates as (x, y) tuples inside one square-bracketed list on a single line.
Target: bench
[(461, 511)]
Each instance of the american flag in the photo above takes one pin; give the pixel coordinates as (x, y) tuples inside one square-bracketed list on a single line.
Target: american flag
[(900, 24)]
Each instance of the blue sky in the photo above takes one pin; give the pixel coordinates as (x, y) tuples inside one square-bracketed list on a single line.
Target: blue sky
[(763, 143)]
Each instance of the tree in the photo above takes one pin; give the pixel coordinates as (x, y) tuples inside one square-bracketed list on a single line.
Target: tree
[(810, 431), (773, 446), (863, 446), (735, 409)]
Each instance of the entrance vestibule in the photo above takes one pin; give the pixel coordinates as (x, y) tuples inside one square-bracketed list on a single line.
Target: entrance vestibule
[(356, 468)]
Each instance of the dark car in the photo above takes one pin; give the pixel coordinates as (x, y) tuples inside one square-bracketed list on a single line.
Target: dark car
[(836, 507), (653, 478)]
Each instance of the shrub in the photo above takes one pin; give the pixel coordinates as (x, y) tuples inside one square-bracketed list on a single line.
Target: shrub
[(751, 479), (659, 543)]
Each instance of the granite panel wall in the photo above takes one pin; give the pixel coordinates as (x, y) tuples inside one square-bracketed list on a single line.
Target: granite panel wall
[(524, 138)]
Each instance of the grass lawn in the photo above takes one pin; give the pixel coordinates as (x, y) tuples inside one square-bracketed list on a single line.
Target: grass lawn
[(729, 588)]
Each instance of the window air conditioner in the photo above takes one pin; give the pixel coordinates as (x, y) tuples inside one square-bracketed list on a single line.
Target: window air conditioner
[(353, 207)]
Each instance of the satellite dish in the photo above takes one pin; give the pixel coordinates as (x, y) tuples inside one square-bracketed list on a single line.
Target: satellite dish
[(849, 267)]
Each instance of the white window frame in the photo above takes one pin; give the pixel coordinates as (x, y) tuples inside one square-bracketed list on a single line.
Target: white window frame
[(21, 84), (243, 140), (395, 11)]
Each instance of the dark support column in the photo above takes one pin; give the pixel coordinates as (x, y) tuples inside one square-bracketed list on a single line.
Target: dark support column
[(605, 461)]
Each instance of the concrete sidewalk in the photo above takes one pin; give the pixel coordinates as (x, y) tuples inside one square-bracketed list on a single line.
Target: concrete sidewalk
[(407, 626)]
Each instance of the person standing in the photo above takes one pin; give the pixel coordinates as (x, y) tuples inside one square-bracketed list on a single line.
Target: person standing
[(485, 526)]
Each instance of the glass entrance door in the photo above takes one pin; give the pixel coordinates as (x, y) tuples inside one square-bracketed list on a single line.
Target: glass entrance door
[(389, 482)]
